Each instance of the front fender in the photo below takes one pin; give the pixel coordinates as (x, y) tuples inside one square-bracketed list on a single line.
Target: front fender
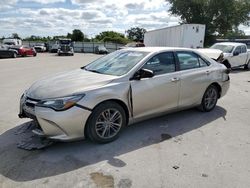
[(116, 91)]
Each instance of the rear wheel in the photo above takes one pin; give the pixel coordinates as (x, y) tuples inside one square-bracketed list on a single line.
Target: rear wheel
[(106, 122), (247, 66), (209, 99)]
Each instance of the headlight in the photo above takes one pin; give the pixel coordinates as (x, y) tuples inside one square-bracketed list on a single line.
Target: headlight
[(60, 104)]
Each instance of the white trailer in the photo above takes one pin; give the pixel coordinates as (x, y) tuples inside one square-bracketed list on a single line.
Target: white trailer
[(186, 35)]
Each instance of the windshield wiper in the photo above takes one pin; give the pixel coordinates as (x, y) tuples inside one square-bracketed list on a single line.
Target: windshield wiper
[(95, 71)]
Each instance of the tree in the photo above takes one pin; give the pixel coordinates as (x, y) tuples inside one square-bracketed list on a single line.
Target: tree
[(77, 35), (136, 33), (220, 17), (15, 36), (111, 36)]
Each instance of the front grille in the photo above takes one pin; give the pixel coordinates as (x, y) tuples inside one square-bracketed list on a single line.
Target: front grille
[(65, 48)]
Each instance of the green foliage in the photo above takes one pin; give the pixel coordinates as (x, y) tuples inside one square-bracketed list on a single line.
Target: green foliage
[(111, 36), (38, 38), (220, 16), (77, 35), (136, 33)]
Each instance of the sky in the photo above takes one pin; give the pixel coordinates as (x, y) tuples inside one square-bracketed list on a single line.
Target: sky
[(59, 17)]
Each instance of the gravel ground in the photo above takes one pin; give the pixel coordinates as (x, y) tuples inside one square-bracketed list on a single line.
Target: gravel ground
[(184, 149)]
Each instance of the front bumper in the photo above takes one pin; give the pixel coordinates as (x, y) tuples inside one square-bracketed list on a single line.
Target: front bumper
[(57, 125), (65, 53)]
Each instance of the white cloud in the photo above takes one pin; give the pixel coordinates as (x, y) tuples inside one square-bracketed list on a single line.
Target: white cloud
[(44, 1), (91, 16)]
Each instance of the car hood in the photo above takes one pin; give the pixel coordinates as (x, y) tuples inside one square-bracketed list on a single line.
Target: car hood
[(211, 53), (65, 84)]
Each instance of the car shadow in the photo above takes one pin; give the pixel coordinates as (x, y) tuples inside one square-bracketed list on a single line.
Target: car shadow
[(21, 165)]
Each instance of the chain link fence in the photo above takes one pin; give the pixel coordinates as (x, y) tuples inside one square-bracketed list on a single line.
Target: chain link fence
[(81, 47)]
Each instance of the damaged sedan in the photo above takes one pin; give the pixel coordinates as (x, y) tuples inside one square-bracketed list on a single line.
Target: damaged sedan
[(122, 88)]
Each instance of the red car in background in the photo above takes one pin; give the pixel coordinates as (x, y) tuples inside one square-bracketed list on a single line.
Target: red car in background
[(24, 50)]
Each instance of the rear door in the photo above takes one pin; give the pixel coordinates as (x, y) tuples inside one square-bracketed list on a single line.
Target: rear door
[(159, 93), (195, 76)]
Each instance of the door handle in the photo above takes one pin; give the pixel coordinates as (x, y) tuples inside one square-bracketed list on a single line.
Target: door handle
[(208, 72), (175, 79)]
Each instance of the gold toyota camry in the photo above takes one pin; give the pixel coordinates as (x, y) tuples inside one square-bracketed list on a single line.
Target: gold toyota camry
[(124, 87)]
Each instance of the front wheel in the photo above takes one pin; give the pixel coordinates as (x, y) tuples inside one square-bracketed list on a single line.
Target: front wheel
[(106, 122), (247, 66), (209, 99), (14, 55)]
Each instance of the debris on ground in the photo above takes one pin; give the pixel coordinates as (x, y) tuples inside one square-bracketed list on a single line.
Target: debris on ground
[(34, 143), (204, 175), (30, 141), (175, 167)]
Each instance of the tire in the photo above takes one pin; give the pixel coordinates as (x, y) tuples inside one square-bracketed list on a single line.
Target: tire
[(247, 66), (209, 99), (34, 54), (14, 55), (106, 130)]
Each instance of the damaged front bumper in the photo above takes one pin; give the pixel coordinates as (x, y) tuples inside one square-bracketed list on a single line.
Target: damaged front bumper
[(57, 125)]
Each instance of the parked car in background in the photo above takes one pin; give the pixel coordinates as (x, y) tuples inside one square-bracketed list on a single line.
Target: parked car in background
[(101, 50), (133, 45), (40, 47), (235, 54), (11, 41), (5, 52), (54, 47), (122, 88), (24, 50)]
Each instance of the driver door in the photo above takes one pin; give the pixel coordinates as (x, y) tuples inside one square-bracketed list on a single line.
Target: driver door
[(159, 93)]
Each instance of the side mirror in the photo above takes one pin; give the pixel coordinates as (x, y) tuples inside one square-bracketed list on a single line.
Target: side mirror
[(236, 53), (143, 73)]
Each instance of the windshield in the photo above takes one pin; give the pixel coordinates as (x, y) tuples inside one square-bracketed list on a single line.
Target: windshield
[(65, 42), (102, 48), (223, 48), (117, 63)]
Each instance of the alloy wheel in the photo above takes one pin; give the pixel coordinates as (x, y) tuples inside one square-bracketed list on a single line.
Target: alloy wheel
[(108, 123), (210, 98)]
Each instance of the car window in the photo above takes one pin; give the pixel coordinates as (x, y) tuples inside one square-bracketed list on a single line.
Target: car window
[(161, 63), (243, 49), (188, 60), (203, 63), (238, 50)]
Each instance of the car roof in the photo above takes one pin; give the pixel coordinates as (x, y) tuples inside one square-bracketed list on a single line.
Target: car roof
[(156, 49), (231, 43)]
